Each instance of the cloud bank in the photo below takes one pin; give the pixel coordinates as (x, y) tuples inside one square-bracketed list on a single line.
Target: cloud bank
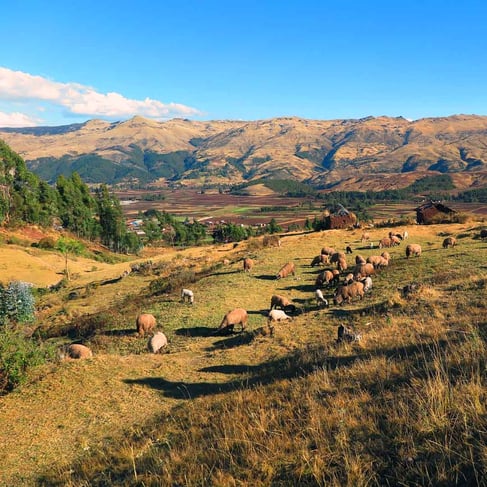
[(77, 99)]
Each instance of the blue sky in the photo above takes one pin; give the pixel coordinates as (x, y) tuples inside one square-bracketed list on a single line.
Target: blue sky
[(66, 62)]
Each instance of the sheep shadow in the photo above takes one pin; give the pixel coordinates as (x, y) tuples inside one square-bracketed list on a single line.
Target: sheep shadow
[(305, 288), (266, 277), (262, 312), (119, 333), (237, 340), (195, 331), (292, 366)]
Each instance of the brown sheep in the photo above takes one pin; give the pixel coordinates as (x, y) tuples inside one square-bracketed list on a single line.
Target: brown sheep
[(413, 249), (145, 323), (327, 251), (319, 260), (360, 259), (232, 318), (363, 270), (282, 302), (365, 237), (286, 269), (345, 293), (395, 240), (79, 351), (337, 256), (342, 265), (377, 261), (386, 242), (449, 242), (247, 264), (326, 277)]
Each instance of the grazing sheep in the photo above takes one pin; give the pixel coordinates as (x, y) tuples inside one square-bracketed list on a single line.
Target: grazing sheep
[(367, 283), (226, 262), (145, 323), (346, 293), (247, 264), (319, 260), (286, 269), (377, 261), (320, 299), (348, 250), (328, 251), (347, 334), (363, 270), (282, 302), (337, 256), (365, 237), (232, 318), (326, 277), (395, 240), (360, 259), (157, 342), (386, 242), (277, 315), (449, 242), (386, 255), (413, 249), (342, 265), (405, 235), (77, 351), (348, 278), (187, 294)]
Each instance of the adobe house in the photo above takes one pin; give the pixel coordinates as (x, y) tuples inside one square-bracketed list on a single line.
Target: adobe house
[(341, 218), (428, 212)]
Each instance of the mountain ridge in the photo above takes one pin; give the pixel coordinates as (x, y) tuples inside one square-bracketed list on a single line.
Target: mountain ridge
[(327, 153)]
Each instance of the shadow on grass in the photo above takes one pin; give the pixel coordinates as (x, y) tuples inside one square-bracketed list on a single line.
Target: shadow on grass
[(195, 331), (262, 312), (235, 340), (305, 288), (266, 277), (119, 333), (291, 366)]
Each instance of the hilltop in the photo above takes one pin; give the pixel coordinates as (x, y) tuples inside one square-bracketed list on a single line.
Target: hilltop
[(369, 153)]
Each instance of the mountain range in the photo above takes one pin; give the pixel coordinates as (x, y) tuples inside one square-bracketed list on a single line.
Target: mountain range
[(367, 153)]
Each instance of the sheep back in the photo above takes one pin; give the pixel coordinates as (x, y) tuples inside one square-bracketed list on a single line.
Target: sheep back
[(78, 351), (157, 342), (145, 323)]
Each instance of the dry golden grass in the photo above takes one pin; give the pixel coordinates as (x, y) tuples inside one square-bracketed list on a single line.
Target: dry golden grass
[(404, 405)]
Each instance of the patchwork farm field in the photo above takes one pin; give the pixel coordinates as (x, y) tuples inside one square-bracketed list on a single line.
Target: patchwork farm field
[(257, 208), (405, 405)]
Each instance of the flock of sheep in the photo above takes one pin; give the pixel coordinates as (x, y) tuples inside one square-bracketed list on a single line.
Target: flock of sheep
[(349, 285)]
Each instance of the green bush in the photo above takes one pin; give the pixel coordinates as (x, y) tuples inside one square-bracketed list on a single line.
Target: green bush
[(17, 355), (17, 303), (47, 243), (173, 282)]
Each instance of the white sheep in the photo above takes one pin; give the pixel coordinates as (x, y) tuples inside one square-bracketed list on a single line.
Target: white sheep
[(187, 294), (277, 315), (367, 283), (320, 299), (157, 342)]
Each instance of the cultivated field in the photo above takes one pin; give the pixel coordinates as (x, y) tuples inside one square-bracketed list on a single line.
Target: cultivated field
[(403, 406)]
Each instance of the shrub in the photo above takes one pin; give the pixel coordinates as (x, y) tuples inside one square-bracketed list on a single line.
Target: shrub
[(17, 355), (17, 303), (47, 243), (173, 282)]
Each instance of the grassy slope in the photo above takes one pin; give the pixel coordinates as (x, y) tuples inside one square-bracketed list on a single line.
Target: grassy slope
[(289, 408)]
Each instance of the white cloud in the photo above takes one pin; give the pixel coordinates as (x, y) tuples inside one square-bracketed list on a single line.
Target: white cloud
[(78, 99), (17, 119)]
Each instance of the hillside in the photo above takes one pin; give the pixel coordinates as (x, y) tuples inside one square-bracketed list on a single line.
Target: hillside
[(295, 408), (344, 154)]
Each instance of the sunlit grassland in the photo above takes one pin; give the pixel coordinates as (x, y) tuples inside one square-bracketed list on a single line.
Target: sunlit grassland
[(404, 406)]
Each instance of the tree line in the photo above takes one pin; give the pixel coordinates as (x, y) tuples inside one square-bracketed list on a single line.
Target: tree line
[(25, 198)]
